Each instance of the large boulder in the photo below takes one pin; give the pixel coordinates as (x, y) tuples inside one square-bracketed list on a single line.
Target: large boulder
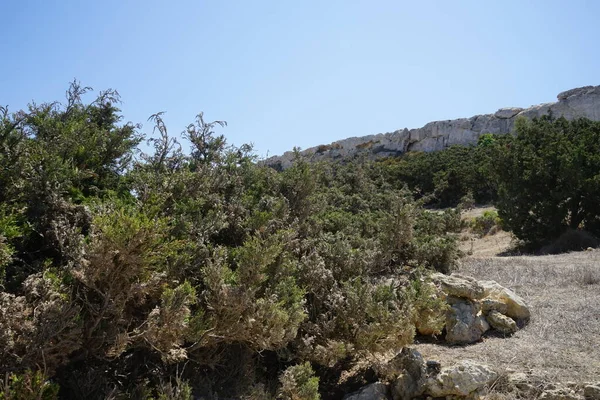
[(464, 324), (501, 322), (516, 307), (408, 372), (459, 286), (465, 379), (374, 391), (500, 307)]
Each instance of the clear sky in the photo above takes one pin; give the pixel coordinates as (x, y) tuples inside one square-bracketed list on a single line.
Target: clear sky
[(300, 73)]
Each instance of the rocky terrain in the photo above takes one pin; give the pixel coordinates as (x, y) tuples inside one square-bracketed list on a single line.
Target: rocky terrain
[(574, 103), (476, 307), (543, 342)]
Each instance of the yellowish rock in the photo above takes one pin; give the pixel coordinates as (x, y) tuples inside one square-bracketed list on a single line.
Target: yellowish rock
[(516, 306)]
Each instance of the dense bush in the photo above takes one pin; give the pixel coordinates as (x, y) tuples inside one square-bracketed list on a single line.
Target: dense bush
[(133, 275), (571, 240), (28, 385), (544, 179), (126, 274), (299, 383), (548, 178), (444, 177)]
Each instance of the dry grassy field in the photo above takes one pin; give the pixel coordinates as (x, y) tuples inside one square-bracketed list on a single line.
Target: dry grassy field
[(561, 343)]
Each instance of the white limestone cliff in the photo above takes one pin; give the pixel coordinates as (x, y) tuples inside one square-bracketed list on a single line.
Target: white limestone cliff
[(438, 135)]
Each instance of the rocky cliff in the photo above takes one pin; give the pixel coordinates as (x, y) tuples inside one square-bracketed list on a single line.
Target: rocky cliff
[(574, 103)]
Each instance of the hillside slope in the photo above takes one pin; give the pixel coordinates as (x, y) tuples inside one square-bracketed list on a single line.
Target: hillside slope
[(574, 103)]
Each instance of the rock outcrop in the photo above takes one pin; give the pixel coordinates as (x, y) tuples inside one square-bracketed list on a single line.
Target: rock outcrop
[(438, 135), (476, 306)]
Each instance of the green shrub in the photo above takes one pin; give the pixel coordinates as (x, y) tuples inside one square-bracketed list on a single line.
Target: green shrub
[(119, 272), (547, 178), (429, 315), (486, 223), (28, 385), (299, 383), (444, 177), (177, 390)]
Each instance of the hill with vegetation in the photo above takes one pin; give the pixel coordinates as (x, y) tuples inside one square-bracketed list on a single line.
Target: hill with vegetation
[(180, 273)]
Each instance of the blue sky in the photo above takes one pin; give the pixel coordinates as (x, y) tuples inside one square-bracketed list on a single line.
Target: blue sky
[(300, 73)]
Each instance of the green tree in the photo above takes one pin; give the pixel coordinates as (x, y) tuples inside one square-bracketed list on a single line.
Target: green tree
[(548, 178), (443, 177)]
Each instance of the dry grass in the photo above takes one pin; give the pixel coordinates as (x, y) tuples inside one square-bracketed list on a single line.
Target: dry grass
[(492, 244), (487, 246), (562, 341)]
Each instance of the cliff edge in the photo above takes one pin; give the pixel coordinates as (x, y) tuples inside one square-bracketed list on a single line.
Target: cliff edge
[(437, 135)]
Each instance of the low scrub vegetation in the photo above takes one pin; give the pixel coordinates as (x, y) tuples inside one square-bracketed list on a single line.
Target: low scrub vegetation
[(544, 180), (444, 178), (134, 275), (192, 268)]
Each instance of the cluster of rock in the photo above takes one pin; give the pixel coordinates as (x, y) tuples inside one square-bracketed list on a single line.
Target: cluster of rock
[(408, 376), (476, 307), (438, 135)]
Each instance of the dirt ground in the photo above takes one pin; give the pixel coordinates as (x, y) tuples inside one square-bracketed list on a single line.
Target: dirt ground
[(561, 343)]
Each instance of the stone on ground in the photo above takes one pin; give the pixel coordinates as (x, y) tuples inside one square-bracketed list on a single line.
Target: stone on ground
[(501, 323), (459, 286), (374, 391), (466, 379), (488, 305), (529, 385), (463, 324), (516, 306), (560, 394), (407, 371)]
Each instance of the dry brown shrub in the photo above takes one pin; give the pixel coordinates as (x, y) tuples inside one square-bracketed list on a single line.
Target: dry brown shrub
[(41, 328)]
